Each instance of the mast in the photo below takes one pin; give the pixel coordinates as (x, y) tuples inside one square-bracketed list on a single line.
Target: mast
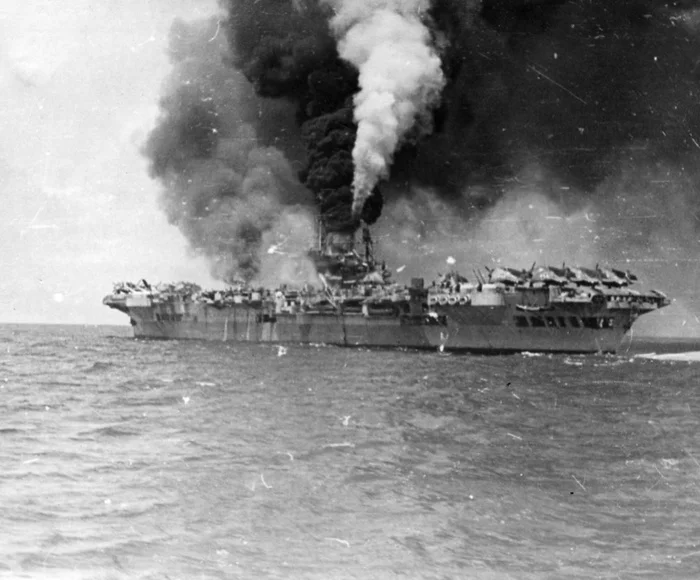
[(321, 235), (368, 243)]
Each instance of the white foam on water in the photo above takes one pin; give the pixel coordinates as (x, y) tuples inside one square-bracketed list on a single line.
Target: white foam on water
[(692, 356)]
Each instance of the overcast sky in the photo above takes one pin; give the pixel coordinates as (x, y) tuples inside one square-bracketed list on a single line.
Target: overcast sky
[(79, 84)]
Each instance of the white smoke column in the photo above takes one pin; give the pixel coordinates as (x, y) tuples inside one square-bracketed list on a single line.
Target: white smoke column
[(400, 80)]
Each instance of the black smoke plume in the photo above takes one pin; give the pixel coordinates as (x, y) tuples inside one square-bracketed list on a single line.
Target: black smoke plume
[(572, 86), (577, 88), (287, 51), (217, 149)]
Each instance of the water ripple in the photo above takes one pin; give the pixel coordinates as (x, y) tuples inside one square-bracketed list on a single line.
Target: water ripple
[(154, 460)]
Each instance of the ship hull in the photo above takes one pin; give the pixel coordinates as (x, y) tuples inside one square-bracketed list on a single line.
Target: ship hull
[(459, 328)]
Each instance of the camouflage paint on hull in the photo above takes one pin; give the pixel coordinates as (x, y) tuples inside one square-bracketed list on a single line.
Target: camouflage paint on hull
[(488, 329)]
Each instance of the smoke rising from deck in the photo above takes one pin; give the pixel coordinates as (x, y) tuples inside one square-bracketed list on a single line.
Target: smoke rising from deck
[(225, 186), (400, 80), (585, 93)]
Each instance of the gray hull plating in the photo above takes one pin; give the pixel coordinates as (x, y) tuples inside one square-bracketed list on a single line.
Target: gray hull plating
[(456, 328)]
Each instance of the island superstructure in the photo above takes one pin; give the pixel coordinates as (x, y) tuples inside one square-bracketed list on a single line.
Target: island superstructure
[(355, 304)]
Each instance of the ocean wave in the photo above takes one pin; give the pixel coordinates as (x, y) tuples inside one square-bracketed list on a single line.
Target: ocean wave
[(153, 398), (100, 366), (691, 356), (109, 431), (133, 385), (52, 343), (27, 407), (323, 449)]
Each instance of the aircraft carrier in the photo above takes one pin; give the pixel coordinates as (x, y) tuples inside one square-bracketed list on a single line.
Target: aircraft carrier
[(355, 304)]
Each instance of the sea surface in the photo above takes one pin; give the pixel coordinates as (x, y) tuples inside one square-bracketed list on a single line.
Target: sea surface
[(129, 459)]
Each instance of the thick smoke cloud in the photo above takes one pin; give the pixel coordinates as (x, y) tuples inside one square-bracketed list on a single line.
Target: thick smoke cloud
[(572, 86), (400, 80), (225, 185), (287, 50), (579, 90)]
